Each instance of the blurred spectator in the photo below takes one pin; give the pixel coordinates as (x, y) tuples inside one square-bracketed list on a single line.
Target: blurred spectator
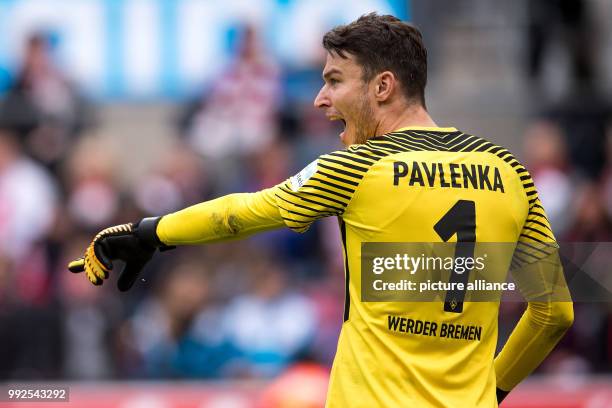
[(584, 117), (546, 158), (28, 200), (583, 113), (179, 178), (327, 296), (313, 134), (175, 333), (563, 23), (42, 106), (239, 114), (272, 324), (29, 321), (89, 315), (91, 182), (592, 223), (270, 167), (31, 340), (607, 176)]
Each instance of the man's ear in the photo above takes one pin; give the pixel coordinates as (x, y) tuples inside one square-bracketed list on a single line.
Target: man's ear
[(385, 85)]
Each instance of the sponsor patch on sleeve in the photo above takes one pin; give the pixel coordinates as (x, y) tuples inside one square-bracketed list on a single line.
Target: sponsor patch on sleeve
[(302, 177)]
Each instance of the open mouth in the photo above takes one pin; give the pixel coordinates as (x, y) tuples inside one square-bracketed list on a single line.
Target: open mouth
[(334, 117), (342, 133)]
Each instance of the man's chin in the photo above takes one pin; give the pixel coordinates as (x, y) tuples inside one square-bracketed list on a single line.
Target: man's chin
[(347, 138), (343, 138)]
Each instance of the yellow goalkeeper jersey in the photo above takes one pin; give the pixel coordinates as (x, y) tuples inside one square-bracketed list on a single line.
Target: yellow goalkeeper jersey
[(415, 185)]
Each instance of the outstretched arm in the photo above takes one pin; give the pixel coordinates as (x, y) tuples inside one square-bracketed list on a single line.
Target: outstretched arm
[(230, 217), (233, 216), (323, 188)]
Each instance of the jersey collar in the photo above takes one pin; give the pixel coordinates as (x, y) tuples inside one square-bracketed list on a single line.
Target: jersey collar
[(428, 129)]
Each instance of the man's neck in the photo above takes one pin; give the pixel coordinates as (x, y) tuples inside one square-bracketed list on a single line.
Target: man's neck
[(411, 116)]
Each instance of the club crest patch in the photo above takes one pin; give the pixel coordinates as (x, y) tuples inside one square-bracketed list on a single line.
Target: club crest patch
[(302, 177)]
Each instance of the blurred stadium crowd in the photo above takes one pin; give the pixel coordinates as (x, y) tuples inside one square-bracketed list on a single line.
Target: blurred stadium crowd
[(244, 309), (251, 308)]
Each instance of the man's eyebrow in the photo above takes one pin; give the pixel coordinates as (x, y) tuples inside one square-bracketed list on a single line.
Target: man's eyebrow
[(331, 72)]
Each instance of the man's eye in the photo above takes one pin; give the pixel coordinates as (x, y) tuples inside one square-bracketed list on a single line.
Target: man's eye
[(333, 81)]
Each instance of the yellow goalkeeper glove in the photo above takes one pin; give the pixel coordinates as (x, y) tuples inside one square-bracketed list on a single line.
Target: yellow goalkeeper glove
[(134, 244)]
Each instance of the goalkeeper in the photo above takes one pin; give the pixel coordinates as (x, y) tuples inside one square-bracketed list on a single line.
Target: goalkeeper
[(401, 178)]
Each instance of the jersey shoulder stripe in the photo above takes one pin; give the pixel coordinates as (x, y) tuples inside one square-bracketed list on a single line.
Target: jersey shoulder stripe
[(325, 190), (330, 188)]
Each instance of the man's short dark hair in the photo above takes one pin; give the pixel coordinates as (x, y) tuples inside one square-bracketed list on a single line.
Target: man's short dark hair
[(384, 43)]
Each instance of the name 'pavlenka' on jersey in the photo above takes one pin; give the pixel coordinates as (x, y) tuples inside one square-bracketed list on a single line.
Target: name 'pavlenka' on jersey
[(447, 175), (396, 188)]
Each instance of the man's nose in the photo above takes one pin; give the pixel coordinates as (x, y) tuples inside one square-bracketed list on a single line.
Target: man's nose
[(322, 100)]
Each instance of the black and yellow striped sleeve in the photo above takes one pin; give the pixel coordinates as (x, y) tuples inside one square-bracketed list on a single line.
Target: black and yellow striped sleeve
[(536, 240), (538, 272), (536, 227), (323, 188)]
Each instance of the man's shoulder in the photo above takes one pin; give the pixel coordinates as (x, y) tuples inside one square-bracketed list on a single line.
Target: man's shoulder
[(448, 139), (443, 140)]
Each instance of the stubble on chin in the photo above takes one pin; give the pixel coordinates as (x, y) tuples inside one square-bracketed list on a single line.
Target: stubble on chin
[(365, 124)]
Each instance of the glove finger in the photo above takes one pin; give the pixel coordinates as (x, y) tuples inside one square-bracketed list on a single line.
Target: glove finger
[(91, 275), (93, 263), (130, 273), (95, 273), (101, 252), (77, 266), (99, 270)]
